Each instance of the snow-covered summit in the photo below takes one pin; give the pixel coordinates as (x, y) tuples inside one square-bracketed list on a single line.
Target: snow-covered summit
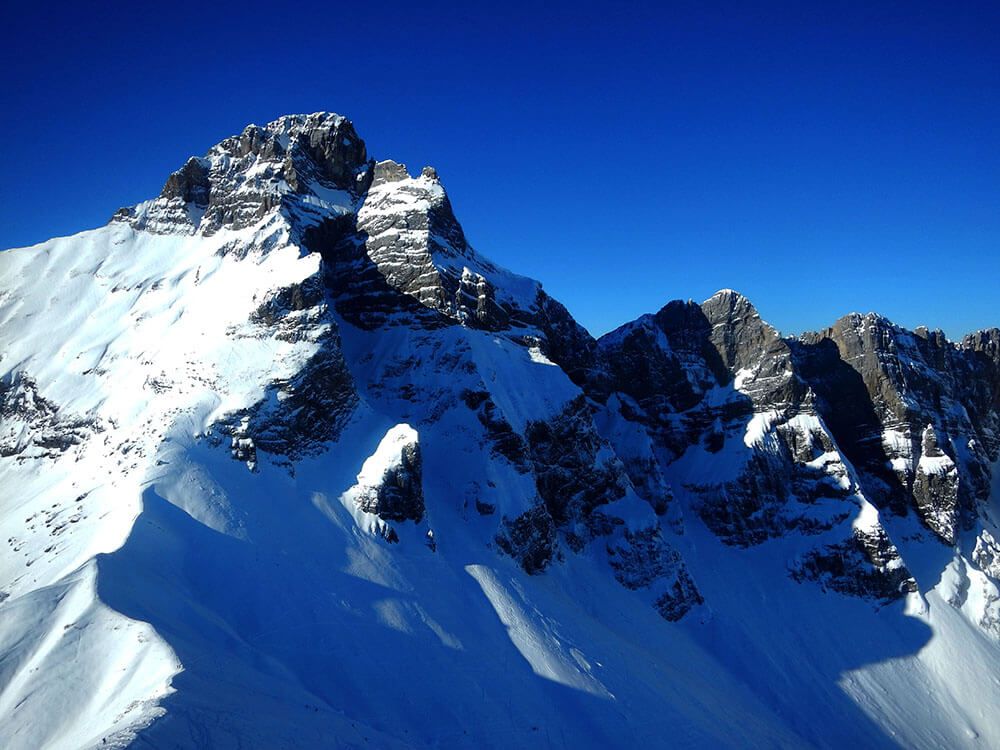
[(308, 180), (305, 166)]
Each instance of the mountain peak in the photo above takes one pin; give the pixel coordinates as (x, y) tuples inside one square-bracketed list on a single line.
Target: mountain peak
[(726, 294), (316, 128), (309, 120), (311, 165), (323, 140), (729, 299)]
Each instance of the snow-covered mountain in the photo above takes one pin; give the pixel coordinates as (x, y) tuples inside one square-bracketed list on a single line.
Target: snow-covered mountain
[(284, 462)]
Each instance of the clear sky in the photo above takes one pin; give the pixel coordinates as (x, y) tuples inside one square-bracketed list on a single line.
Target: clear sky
[(821, 158)]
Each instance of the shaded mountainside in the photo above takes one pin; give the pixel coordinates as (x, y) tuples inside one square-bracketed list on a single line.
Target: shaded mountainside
[(288, 463)]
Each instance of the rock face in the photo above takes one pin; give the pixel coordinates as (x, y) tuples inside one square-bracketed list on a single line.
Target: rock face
[(410, 234), (31, 426), (575, 472), (390, 483), (442, 459), (866, 565), (646, 561), (729, 421), (307, 411), (936, 488), (530, 539), (242, 446), (297, 164), (908, 408)]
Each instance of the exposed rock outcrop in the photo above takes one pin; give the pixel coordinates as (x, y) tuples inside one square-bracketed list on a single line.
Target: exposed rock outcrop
[(390, 484), (304, 165), (881, 386), (713, 385), (530, 538), (643, 560), (32, 426)]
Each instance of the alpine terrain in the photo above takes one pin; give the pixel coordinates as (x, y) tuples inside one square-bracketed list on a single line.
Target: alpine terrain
[(285, 462)]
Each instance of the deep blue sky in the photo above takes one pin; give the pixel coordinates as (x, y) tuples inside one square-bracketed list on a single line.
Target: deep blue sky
[(820, 160)]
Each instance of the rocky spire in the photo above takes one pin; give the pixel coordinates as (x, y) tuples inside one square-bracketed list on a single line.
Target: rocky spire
[(304, 164)]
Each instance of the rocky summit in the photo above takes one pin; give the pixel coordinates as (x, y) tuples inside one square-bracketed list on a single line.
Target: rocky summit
[(285, 462)]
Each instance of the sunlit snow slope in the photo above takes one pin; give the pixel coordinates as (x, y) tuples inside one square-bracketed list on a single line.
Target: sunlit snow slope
[(284, 462)]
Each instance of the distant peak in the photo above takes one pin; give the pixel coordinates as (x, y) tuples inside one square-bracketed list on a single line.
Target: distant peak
[(856, 320), (984, 334), (728, 303), (730, 296), (727, 293)]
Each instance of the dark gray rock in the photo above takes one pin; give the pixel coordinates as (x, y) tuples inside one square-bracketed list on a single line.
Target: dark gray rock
[(643, 560), (681, 597), (880, 386), (190, 183), (399, 496), (308, 411), (388, 171), (241, 446), (503, 439), (571, 475), (34, 427), (865, 565), (243, 178), (303, 414), (530, 539), (936, 488)]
